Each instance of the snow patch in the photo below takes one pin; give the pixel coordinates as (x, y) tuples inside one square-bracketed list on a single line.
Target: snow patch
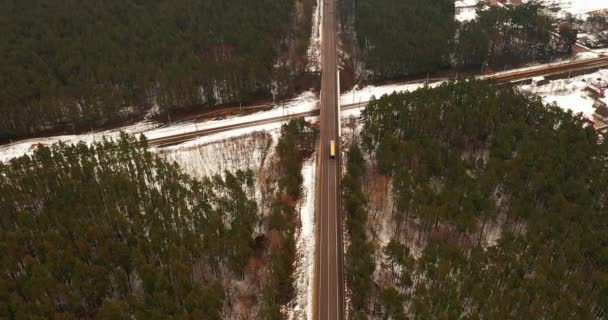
[(466, 14)]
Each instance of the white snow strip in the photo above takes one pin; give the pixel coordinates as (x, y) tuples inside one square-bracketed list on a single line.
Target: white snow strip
[(580, 8), (314, 48), (358, 95), (307, 101), (23, 147), (306, 242), (586, 55)]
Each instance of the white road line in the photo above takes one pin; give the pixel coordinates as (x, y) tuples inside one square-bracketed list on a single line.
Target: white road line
[(328, 260), (337, 232)]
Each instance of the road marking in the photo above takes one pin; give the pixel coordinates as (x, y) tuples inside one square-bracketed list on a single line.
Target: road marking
[(337, 232), (320, 213), (328, 258)]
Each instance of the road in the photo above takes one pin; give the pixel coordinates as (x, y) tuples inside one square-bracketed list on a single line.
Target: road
[(329, 284)]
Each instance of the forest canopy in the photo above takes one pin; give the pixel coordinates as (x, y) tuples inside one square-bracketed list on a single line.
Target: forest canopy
[(114, 231), (503, 198), (76, 63), (508, 35), (111, 231), (401, 38)]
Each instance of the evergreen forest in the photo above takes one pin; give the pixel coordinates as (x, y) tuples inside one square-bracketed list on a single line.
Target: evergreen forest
[(495, 207), (511, 35), (113, 231), (402, 38), (69, 65)]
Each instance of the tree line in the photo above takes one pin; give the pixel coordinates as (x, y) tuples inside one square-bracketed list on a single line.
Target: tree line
[(400, 38), (297, 142), (503, 198), (359, 261), (72, 64)]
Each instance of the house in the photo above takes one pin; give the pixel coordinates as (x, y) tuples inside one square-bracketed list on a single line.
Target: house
[(594, 91), (594, 41), (599, 103), (601, 115)]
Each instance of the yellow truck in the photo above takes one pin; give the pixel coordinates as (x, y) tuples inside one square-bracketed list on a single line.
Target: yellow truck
[(332, 149)]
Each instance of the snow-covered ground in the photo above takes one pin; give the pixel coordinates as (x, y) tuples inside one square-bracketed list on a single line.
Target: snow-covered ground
[(576, 7), (305, 242), (570, 94), (305, 102), (314, 48), (364, 94), (466, 14), (201, 159), (580, 8), (465, 10)]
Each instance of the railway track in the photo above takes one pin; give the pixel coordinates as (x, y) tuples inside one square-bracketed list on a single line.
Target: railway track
[(547, 70), (501, 78)]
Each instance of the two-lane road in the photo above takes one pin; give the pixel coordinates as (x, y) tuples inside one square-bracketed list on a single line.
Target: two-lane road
[(329, 290)]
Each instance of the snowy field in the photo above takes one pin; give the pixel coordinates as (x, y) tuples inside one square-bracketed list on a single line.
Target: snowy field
[(465, 9), (570, 94), (576, 7)]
